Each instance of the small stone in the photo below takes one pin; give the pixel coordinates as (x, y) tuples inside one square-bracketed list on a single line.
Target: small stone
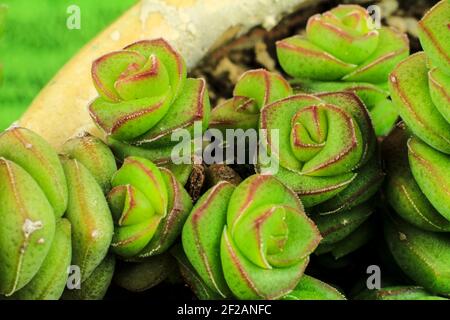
[(263, 57), (402, 24), (402, 236), (388, 7)]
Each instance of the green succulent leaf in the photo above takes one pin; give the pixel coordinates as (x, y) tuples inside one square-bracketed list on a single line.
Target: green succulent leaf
[(88, 212), (310, 288), (37, 157), (95, 155), (424, 256), (253, 90), (261, 243), (27, 227), (409, 86), (430, 169), (434, 36), (50, 281), (33, 194), (402, 191)]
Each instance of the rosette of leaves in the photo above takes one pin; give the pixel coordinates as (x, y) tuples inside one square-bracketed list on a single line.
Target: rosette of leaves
[(343, 50), (253, 90), (144, 96), (326, 150), (252, 241), (149, 208), (418, 158)]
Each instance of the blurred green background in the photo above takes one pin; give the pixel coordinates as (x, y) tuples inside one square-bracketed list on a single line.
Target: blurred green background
[(36, 43)]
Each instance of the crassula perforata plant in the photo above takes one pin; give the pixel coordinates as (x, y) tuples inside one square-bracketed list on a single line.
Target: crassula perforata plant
[(33, 196), (149, 207), (144, 96), (326, 154), (420, 85), (254, 89), (343, 50), (418, 157), (252, 241), (54, 214)]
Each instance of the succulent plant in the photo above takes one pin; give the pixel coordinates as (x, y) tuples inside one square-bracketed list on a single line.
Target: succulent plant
[(252, 241), (254, 89), (343, 50), (249, 239), (418, 158), (144, 96), (149, 208), (420, 84), (33, 196), (37, 245), (327, 141), (326, 154)]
